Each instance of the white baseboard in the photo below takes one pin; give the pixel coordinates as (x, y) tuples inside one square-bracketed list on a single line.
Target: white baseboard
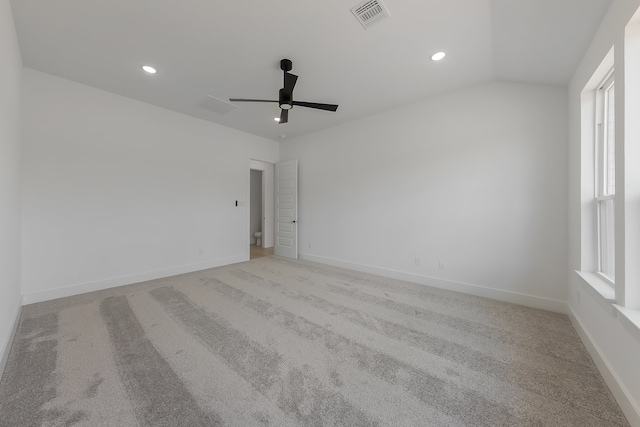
[(630, 409), (496, 294), (82, 288), (6, 346)]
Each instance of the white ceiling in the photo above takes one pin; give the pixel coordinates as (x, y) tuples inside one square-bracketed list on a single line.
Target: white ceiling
[(232, 49)]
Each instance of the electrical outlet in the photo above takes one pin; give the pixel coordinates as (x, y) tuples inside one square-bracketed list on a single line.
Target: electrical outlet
[(199, 251), (309, 245), (417, 262), (442, 265)]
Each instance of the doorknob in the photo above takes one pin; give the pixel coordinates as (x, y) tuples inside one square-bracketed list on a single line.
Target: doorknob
[(294, 221)]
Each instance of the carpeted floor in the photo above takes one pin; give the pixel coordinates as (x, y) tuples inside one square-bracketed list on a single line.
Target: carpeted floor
[(277, 342)]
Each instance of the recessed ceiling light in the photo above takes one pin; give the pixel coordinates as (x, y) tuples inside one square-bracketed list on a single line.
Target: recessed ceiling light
[(149, 69), (438, 56), (277, 119)]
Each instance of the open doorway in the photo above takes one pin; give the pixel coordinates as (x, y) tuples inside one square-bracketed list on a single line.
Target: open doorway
[(260, 209)]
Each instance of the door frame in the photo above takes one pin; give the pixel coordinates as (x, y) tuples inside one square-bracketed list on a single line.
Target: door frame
[(262, 204), (268, 198)]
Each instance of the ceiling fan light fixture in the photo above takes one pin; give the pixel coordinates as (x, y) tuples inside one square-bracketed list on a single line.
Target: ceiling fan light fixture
[(277, 119), (149, 69), (286, 106), (438, 56)]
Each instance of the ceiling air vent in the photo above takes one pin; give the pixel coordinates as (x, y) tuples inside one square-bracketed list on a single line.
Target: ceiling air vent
[(369, 12), (217, 105)]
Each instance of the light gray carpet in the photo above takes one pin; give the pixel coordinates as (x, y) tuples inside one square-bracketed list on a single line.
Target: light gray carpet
[(286, 343)]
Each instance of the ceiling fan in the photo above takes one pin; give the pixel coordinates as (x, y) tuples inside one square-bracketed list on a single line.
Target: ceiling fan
[(285, 98)]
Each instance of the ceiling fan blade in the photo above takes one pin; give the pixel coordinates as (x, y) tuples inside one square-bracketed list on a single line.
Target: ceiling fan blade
[(327, 107), (289, 82), (250, 100), (284, 116)]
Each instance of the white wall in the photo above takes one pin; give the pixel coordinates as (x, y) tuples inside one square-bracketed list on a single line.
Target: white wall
[(476, 179), (613, 341), (117, 191), (10, 75)]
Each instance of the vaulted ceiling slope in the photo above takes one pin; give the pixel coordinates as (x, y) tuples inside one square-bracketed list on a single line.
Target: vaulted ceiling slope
[(223, 49)]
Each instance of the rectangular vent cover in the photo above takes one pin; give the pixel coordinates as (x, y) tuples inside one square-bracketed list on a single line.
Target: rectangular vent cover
[(217, 105), (370, 12)]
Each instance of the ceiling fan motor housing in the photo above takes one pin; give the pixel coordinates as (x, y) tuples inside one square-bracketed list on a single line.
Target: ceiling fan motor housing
[(285, 100)]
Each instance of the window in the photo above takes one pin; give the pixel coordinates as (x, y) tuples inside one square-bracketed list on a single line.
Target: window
[(605, 176)]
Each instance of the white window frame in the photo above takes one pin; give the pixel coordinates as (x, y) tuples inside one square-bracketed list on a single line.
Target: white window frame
[(604, 194)]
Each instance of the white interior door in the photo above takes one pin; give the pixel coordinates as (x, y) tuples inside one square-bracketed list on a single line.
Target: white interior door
[(286, 181)]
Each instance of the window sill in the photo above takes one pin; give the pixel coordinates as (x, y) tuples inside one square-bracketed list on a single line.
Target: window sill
[(599, 285), (631, 316)]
